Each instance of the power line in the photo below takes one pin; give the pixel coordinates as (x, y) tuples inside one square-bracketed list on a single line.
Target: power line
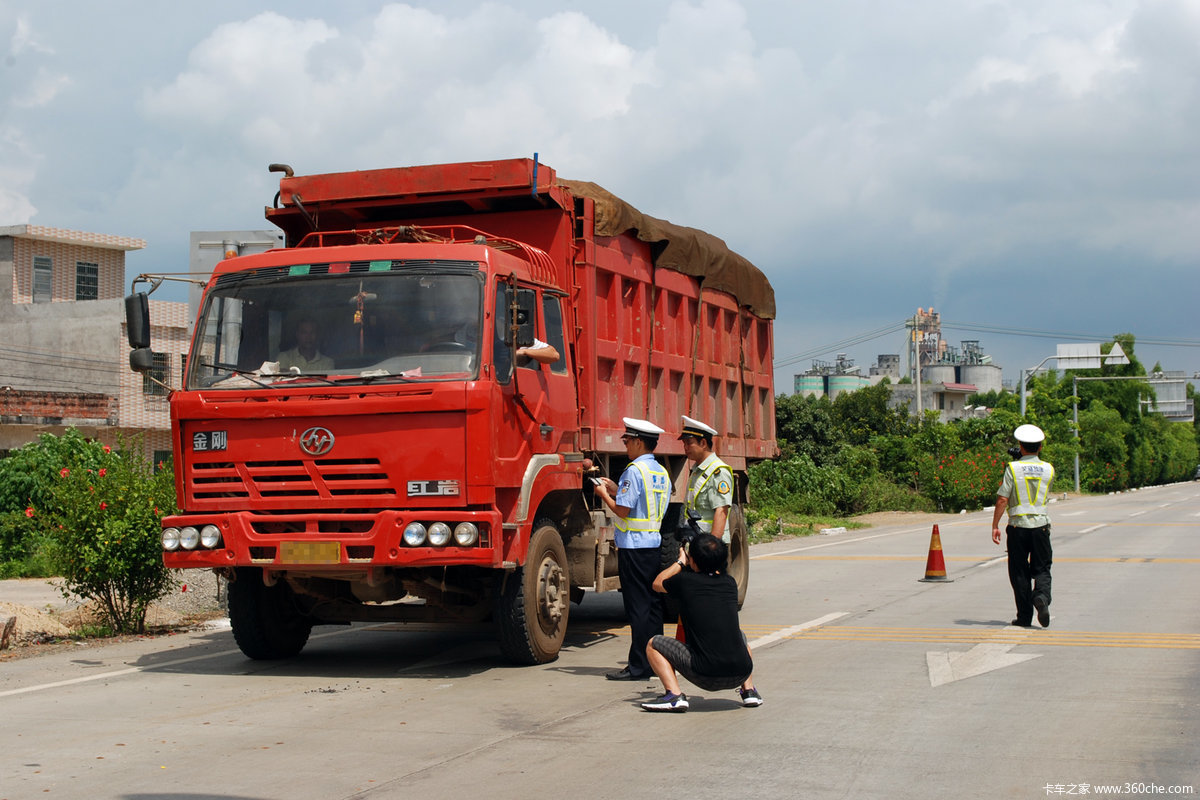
[(1082, 337), (999, 330), (841, 345)]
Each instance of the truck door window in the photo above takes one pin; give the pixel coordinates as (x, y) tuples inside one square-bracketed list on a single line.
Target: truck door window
[(527, 301), (501, 351), (553, 322)]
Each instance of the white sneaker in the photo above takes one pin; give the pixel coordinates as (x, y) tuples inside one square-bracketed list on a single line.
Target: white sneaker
[(750, 697), (668, 702)]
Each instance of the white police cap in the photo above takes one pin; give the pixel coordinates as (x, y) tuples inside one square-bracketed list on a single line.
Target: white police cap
[(640, 427), (1030, 434), (694, 427)]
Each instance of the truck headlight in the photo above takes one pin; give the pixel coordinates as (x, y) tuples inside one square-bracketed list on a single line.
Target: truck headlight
[(210, 537), (414, 534), (189, 538), (439, 534), (170, 539), (466, 534)]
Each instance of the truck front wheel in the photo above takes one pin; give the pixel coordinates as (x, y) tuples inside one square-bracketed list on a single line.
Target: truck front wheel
[(266, 622), (534, 601)]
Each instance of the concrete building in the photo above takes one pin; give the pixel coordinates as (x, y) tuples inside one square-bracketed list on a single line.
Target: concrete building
[(64, 360), (948, 399)]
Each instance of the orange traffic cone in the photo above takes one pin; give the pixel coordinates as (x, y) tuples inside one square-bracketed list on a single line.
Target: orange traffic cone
[(935, 565)]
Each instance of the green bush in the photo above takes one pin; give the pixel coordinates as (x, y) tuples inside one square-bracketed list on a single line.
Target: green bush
[(878, 493), (25, 547), (101, 514), (966, 480)]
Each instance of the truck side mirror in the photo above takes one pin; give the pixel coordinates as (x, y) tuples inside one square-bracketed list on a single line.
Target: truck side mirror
[(525, 314), (141, 359), (137, 321)]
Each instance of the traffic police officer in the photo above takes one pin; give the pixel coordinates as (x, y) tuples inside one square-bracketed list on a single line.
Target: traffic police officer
[(710, 486), (638, 503), (1023, 492)]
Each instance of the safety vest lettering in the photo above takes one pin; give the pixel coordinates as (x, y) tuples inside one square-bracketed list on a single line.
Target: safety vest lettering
[(656, 485)]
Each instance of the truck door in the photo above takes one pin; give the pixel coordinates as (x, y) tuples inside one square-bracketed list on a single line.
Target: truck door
[(548, 390), (540, 399)]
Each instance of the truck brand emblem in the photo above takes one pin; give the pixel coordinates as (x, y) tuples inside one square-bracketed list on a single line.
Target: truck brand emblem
[(316, 441), (432, 488)]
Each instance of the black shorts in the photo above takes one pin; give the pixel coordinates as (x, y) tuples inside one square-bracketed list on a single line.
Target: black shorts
[(680, 657)]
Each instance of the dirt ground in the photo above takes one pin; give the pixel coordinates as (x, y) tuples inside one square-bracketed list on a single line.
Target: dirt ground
[(58, 625)]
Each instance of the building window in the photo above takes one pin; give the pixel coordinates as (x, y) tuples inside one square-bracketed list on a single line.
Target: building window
[(87, 280), (43, 279), (152, 387), (183, 369)]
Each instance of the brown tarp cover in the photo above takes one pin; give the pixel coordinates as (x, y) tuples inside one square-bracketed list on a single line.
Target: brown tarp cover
[(687, 250)]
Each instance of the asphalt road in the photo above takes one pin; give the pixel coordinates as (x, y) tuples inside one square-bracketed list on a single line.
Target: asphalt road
[(877, 685)]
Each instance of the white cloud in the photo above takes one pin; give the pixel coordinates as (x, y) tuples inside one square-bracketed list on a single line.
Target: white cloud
[(41, 90), (16, 174), (23, 40)]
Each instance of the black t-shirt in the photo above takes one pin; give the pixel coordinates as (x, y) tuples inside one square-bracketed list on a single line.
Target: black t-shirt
[(708, 606)]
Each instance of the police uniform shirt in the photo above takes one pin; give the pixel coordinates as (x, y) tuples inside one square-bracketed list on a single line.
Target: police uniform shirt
[(646, 508), (710, 486), (1026, 484)]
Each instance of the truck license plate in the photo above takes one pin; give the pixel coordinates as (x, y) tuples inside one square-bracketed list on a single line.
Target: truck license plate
[(310, 553)]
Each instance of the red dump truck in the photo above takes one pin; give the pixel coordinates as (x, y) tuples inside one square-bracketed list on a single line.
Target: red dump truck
[(411, 466)]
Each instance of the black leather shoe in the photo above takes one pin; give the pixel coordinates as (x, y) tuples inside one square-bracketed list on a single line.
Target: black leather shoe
[(1043, 611), (624, 675), (1026, 624)]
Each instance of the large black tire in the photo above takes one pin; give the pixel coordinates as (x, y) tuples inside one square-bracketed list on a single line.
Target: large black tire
[(267, 624), (534, 601), (739, 552)]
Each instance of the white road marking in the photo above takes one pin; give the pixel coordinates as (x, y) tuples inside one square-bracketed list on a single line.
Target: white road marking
[(763, 641), (834, 544), (99, 676), (947, 667)]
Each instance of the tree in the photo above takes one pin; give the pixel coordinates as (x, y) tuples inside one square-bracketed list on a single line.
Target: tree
[(1104, 454), (865, 413), (804, 426)]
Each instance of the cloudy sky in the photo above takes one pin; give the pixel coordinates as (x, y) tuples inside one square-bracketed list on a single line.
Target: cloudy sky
[(1030, 169)]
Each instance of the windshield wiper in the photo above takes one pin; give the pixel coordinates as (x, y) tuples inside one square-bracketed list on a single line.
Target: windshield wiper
[(376, 377), (254, 375), (249, 375)]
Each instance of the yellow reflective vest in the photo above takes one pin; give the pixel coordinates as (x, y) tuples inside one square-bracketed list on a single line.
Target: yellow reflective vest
[(1031, 479)]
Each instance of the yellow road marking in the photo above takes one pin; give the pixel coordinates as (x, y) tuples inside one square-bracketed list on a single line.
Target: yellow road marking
[(1057, 560), (967, 636)]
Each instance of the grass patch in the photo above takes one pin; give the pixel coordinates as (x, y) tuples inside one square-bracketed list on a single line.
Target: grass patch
[(769, 526)]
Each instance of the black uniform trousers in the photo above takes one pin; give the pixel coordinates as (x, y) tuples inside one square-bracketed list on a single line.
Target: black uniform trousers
[(1029, 559), (643, 606)]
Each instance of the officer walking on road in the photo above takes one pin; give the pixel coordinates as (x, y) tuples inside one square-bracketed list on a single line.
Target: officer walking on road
[(1023, 492), (639, 504), (710, 486)]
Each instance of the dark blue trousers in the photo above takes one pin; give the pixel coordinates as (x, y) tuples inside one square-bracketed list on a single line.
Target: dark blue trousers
[(1029, 560), (643, 606)]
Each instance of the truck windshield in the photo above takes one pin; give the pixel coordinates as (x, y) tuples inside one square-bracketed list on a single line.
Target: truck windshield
[(270, 331)]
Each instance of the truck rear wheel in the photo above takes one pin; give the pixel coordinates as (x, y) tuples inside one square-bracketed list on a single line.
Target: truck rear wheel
[(266, 622), (739, 552), (535, 600)]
